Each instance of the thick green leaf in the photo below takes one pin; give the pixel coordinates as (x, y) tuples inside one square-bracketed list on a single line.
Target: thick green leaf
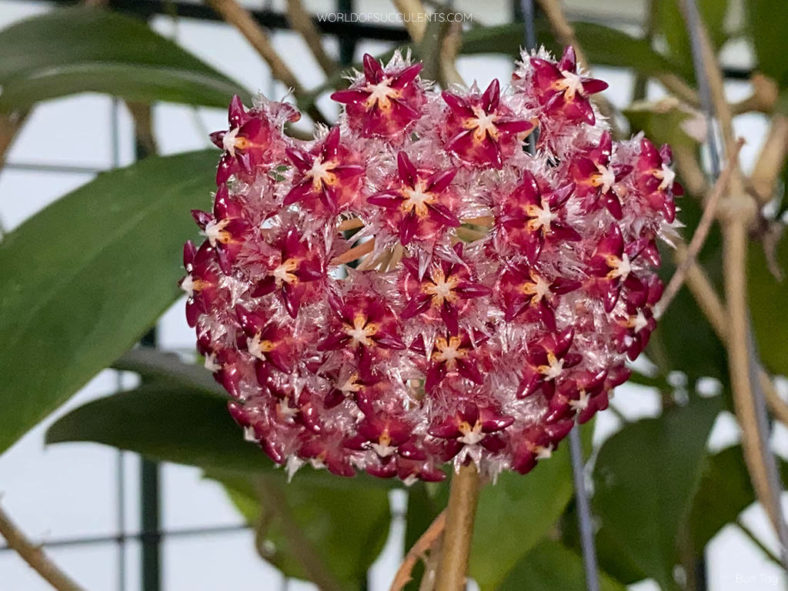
[(301, 521), (768, 22), (185, 426), (768, 296), (671, 23), (515, 513), (165, 367), (645, 478), (83, 49), (87, 276), (551, 566), (725, 491), (603, 45), (164, 423)]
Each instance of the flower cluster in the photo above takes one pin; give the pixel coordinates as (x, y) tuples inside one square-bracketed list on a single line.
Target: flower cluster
[(413, 288)]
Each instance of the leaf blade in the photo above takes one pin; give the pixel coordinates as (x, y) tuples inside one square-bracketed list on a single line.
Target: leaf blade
[(100, 266), (80, 49)]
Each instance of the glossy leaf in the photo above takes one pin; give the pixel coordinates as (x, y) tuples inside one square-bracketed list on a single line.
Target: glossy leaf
[(604, 46), (164, 423), (725, 491), (185, 426), (645, 478), (515, 513), (303, 528), (768, 295), (550, 566), (671, 24), (82, 49), (86, 277), (768, 21)]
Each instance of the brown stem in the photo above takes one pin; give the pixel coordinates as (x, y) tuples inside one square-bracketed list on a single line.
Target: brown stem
[(415, 17), (35, 556), (701, 232), (460, 514), (239, 17), (9, 126), (427, 540), (735, 260), (712, 307), (301, 21), (566, 36), (354, 253), (771, 159)]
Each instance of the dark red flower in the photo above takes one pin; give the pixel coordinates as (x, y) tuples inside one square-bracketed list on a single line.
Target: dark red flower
[(289, 277), (561, 89), (480, 129), (446, 288), (523, 288), (246, 142), (528, 217), (656, 180), (595, 178), (226, 229), (385, 101), (201, 282), (329, 176), (547, 360), (417, 201)]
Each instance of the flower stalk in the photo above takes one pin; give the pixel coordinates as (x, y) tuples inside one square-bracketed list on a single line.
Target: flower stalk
[(457, 537)]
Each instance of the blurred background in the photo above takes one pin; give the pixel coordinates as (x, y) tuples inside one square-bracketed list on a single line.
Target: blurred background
[(88, 503)]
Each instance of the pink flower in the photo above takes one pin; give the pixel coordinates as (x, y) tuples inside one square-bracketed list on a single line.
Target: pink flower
[(529, 218), (417, 201), (329, 175), (480, 129), (412, 289), (385, 101), (560, 89)]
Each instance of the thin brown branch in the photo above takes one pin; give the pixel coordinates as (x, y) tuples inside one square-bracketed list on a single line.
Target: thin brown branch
[(241, 19), (301, 21), (35, 556), (350, 224), (566, 36), (426, 542), (10, 125), (765, 93), (701, 232), (771, 159), (460, 515), (689, 169), (679, 88), (734, 261), (142, 115), (414, 15), (450, 48), (710, 304), (354, 253)]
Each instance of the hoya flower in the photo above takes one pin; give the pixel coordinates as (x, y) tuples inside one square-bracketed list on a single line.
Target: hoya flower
[(417, 200), (482, 130), (384, 101), (411, 291), (329, 175), (528, 218), (252, 136), (560, 88), (444, 290)]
